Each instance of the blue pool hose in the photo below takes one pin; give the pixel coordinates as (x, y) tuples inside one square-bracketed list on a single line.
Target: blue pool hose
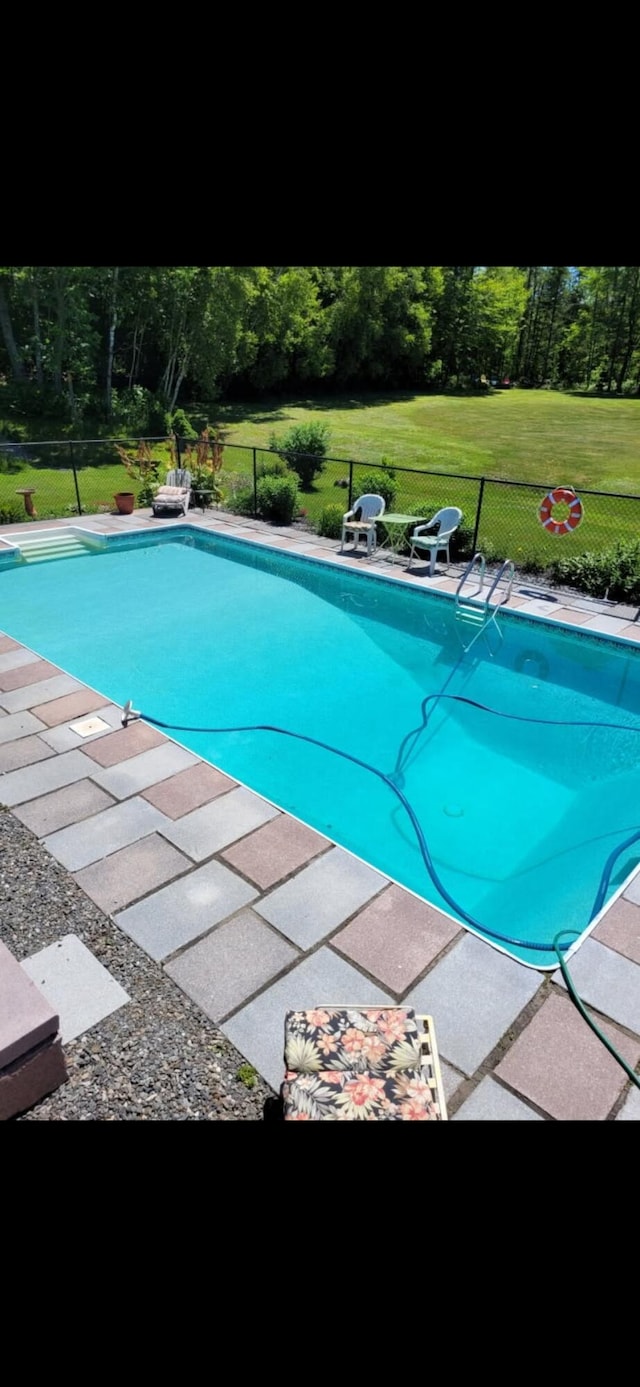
[(129, 714)]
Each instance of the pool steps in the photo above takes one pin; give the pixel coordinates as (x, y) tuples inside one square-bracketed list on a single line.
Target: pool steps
[(44, 545)]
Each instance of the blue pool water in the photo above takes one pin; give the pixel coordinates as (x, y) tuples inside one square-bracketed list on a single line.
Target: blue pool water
[(506, 824)]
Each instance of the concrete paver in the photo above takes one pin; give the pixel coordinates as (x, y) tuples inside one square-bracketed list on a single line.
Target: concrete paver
[(94, 838), (219, 823), (474, 995), (132, 872), (188, 790), (561, 1066), (322, 896), (607, 981), (72, 979), (139, 772), (48, 813), (180, 913), (491, 1103), (395, 938), (275, 851), (15, 755), (257, 1030), (230, 964)]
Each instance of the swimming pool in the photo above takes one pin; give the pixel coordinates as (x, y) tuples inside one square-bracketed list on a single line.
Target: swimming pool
[(495, 783)]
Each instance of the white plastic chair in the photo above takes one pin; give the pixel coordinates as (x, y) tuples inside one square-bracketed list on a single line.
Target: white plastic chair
[(175, 495), (371, 508), (449, 518)]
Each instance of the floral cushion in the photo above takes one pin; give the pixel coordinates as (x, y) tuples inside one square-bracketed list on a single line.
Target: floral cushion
[(342, 1095), (355, 1063)]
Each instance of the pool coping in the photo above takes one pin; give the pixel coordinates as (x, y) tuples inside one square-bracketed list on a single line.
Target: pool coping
[(346, 940)]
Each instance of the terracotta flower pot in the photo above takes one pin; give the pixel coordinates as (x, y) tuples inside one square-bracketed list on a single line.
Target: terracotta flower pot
[(125, 501)]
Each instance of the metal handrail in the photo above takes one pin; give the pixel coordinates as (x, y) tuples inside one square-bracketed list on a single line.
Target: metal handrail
[(508, 564)]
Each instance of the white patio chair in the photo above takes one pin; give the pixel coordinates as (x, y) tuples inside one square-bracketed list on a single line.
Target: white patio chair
[(361, 520), (447, 520), (175, 495)]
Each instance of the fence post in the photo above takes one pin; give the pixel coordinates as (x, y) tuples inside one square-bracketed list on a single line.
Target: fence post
[(350, 485), (75, 476), (255, 486), (479, 508)]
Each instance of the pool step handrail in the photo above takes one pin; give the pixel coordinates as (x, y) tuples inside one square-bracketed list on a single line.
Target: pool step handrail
[(480, 612)]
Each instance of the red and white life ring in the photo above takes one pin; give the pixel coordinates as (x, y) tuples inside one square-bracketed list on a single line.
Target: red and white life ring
[(553, 498)]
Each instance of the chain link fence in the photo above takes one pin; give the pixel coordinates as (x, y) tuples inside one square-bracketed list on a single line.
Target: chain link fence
[(501, 520)]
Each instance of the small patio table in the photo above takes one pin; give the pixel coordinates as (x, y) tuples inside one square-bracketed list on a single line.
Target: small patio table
[(396, 525)]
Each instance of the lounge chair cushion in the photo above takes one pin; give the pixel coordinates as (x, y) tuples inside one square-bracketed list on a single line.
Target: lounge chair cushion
[(365, 1063), (167, 493)]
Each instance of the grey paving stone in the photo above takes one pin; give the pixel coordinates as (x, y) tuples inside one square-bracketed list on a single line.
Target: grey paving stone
[(489, 1102), (323, 979), (94, 838), (16, 725), (129, 777), (25, 752), (606, 980), (321, 897), (63, 737), (473, 995), (13, 659), (76, 984), (33, 781), (44, 692), (215, 825), (185, 910), (451, 1079), (630, 1110), (231, 963), (62, 807)]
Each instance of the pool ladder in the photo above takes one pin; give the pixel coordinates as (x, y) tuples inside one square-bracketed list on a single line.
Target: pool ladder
[(478, 613)]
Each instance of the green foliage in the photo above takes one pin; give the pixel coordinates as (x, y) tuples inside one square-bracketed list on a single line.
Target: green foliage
[(461, 544), (613, 573), (380, 483), (247, 1075), (139, 411), (181, 425), (11, 513), (304, 448), (141, 467), (330, 522), (272, 466), (277, 500), (242, 502)]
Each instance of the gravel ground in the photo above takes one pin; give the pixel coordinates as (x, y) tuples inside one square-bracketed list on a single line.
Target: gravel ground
[(157, 1058)]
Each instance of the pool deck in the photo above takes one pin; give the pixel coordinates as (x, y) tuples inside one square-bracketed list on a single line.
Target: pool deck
[(252, 914)]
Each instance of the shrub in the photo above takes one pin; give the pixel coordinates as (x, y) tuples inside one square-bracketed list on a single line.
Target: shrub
[(304, 449), (614, 573), (241, 502), (380, 483), (330, 522), (181, 425), (277, 500), (272, 466), (11, 513), (138, 411)]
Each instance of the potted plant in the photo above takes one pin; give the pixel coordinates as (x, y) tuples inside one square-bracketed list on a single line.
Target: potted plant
[(125, 502), (141, 467)]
